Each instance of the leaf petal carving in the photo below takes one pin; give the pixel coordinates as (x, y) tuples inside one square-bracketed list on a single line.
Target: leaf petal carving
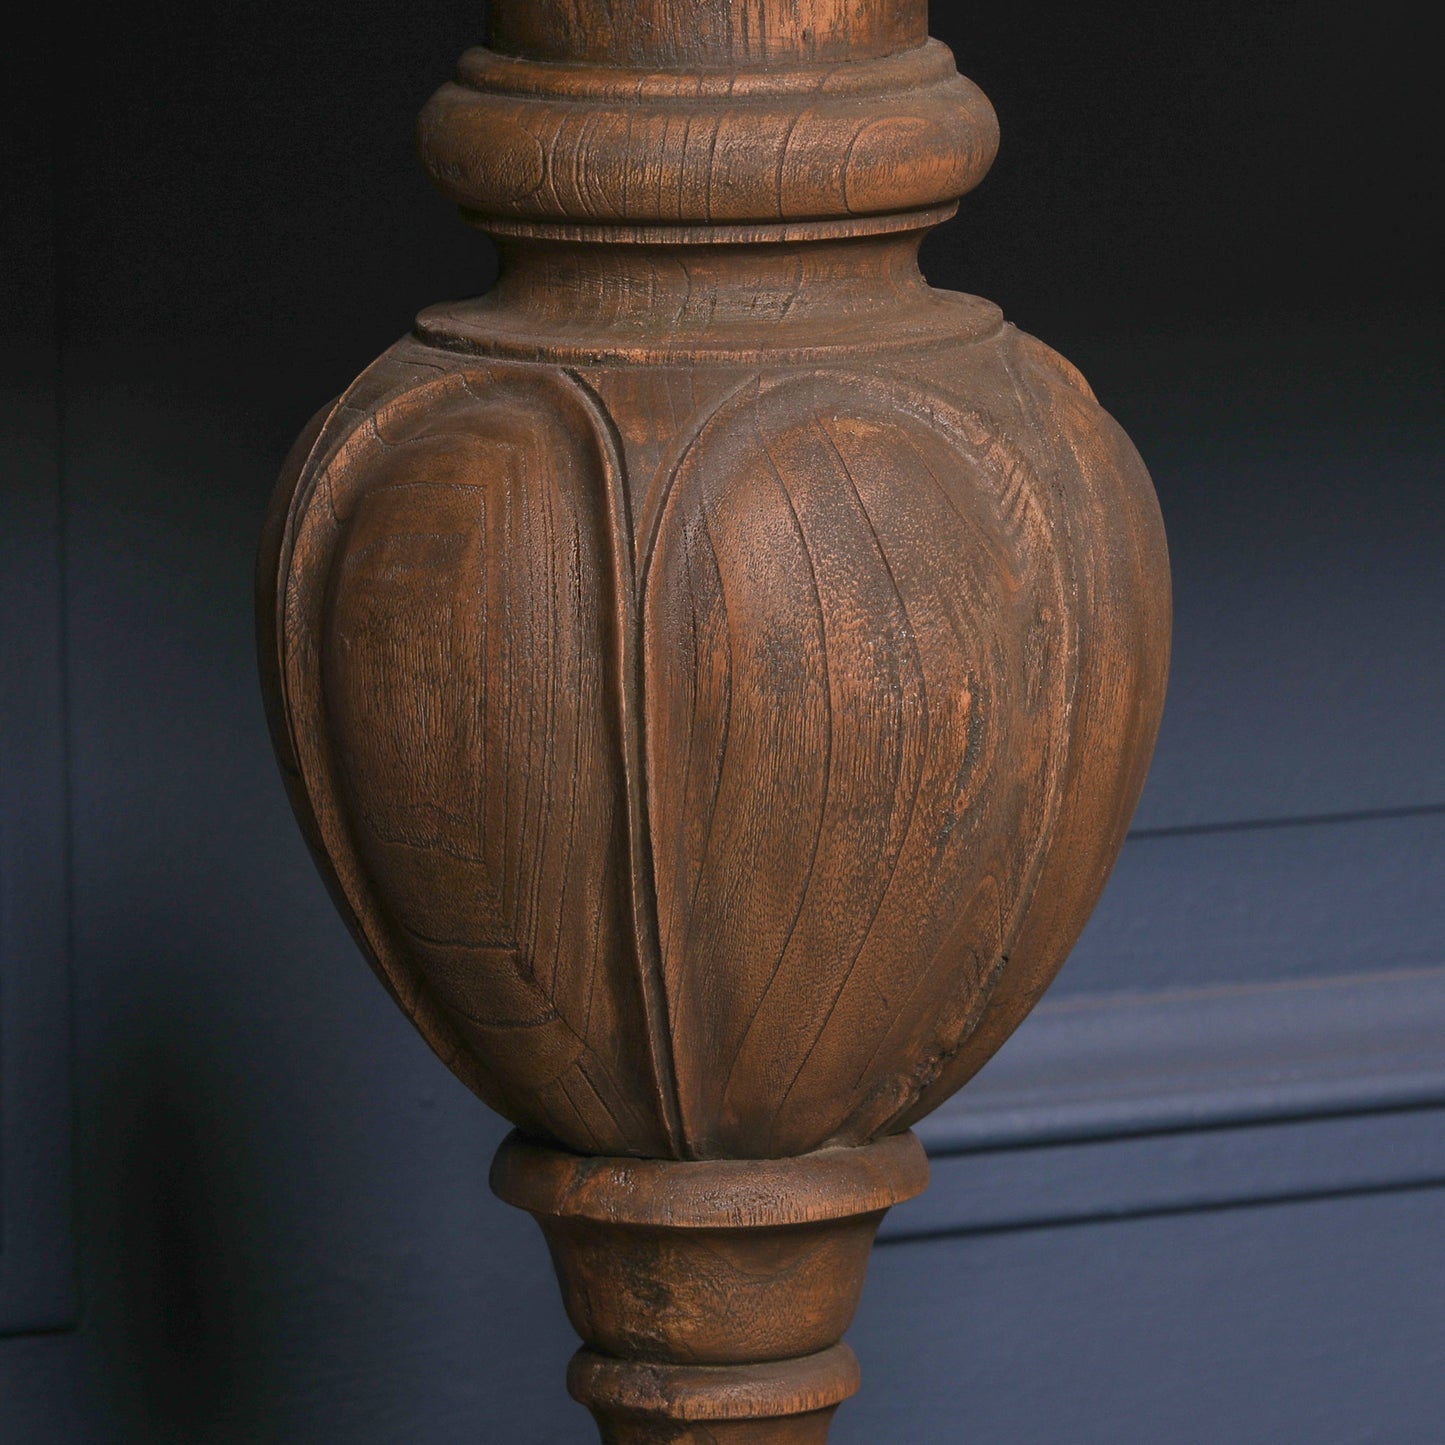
[(454, 612), (851, 588)]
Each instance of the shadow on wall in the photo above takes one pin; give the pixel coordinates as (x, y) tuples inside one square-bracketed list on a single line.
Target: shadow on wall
[(194, 1351)]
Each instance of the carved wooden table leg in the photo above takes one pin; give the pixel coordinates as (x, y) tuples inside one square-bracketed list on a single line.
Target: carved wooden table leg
[(714, 670)]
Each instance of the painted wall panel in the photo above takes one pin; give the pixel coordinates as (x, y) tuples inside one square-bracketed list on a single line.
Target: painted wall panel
[(1309, 601), (1316, 1322), (1232, 905)]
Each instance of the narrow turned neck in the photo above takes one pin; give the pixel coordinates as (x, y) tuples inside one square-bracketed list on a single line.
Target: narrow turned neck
[(713, 34), (732, 299), (686, 289)]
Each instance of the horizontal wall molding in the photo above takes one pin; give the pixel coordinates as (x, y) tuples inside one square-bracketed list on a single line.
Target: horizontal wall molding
[(1309, 820), (1112, 1107), (1104, 1067)]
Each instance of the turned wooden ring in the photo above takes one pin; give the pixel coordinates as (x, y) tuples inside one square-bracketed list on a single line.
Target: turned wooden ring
[(706, 1392), (710, 1193), (515, 141)]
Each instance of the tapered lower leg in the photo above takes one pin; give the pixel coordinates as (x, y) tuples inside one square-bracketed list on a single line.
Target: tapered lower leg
[(712, 1296)]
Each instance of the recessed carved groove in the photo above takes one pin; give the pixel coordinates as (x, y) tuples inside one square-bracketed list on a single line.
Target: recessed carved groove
[(631, 713)]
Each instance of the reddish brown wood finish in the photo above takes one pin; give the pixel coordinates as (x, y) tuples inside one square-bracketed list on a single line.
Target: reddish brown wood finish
[(712, 1296), (715, 670)]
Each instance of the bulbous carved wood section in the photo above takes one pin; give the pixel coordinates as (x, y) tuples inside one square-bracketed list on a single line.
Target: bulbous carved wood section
[(453, 608), (765, 839), (859, 646)]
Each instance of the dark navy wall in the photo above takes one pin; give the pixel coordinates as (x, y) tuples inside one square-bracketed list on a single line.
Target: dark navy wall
[(1201, 1197)]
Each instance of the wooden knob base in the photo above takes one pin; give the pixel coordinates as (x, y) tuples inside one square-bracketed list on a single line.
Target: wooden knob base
[(712, 1295)]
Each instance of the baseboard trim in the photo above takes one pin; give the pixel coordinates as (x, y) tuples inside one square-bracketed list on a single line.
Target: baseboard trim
[(1116, 1107)]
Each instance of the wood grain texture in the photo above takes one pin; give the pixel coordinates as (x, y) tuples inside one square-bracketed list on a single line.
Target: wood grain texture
[(711, 1296), (858, 639), (844, 609), (512, 140), (708, 36), (715, 670), (454, 698)]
